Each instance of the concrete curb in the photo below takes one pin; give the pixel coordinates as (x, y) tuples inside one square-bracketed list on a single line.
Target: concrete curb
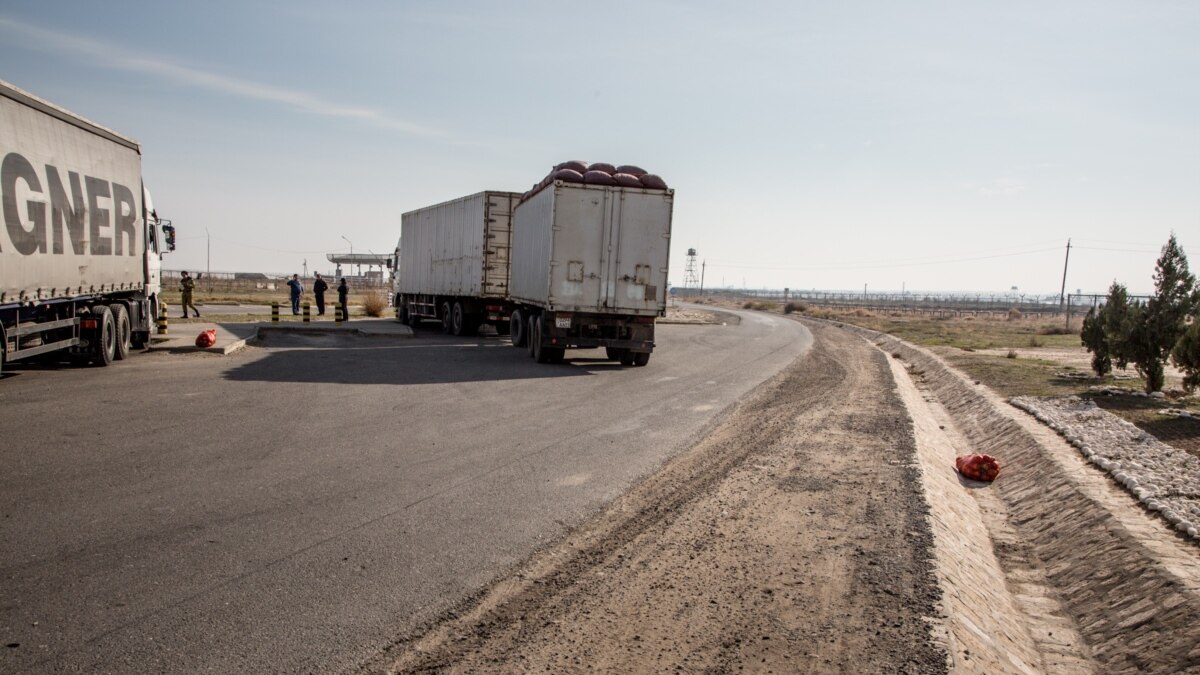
[(397, 331)]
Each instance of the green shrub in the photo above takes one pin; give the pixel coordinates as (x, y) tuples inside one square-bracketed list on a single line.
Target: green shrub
[(1186, 356)]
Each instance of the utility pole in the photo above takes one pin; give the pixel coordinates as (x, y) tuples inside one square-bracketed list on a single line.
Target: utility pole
[(703, 264), (1062, 293), (208, 266)]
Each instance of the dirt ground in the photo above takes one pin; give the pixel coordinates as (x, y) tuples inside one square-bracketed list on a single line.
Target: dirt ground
[(679, 314), (794, 538)]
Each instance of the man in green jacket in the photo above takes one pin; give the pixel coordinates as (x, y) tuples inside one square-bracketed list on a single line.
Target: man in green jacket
[(186, 285)]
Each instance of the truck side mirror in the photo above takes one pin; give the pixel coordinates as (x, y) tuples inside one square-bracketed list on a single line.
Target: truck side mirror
[(169, 231)]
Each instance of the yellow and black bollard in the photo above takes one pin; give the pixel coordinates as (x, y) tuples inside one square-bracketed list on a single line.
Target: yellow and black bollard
[(274, 312), (162, 319), (307, 312), (337, 313)]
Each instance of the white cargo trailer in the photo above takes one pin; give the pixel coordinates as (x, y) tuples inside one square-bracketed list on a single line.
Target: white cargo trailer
[(451, 263), (81, 246), (589, 269)]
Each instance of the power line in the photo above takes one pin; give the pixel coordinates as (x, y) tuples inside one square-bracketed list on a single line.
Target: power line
[(850, 266)]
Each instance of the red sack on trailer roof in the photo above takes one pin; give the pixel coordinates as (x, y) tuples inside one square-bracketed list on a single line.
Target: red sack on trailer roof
[(978, 467)]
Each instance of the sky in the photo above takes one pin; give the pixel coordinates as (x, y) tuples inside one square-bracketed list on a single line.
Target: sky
[(938, 146)]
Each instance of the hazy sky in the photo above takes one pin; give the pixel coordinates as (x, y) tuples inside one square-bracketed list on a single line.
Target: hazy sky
[(929, 145)]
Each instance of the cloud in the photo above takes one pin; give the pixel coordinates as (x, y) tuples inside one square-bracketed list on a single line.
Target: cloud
[(120, 59)]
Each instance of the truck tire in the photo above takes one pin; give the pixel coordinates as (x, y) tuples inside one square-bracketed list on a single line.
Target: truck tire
[(626, 357), (543, 353), (3, 349), (446, 319), (120, 317), (414, 319), (641, 358), (613, 353), (104, 338), (516, 328), (459, 321), (530, 331)]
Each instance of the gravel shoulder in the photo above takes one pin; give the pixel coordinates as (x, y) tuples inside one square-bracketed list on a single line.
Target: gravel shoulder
[(794, 538)]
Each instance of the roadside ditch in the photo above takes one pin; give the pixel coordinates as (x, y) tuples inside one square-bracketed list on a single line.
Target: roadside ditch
[(1053, 567)]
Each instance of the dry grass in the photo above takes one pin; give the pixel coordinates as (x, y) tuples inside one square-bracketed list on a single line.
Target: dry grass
[(1022, 362), (761, 305), (374, 304)]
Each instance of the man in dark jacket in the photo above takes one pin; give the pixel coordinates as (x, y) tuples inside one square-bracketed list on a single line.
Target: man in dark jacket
[(296, 289), (343, 294), (319, 288)]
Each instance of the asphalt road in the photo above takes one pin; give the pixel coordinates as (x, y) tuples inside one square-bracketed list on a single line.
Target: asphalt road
[(297, 507)]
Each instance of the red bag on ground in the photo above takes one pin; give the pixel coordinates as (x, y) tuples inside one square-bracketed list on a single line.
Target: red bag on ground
[(206, 338), (978, 467)]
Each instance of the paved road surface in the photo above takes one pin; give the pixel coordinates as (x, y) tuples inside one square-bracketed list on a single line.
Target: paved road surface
[(296, 507)]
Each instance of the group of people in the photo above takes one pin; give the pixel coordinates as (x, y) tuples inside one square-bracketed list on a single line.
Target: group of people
[(187, 285), (296, 288)]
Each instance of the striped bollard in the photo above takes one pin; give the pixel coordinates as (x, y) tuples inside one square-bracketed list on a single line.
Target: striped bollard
[(274, 312), (337, 314), (307, 312), (162, 319)]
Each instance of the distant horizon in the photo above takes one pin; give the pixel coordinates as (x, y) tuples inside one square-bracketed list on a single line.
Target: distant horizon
[(172, 271)]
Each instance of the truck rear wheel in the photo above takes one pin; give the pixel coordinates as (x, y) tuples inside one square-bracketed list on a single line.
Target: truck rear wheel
[(613, 353), (459, 321), (641, 358), (516, 328), (120, 317), (446, 318), (104, 337), (626, 357), (543, 353), (530, 330)]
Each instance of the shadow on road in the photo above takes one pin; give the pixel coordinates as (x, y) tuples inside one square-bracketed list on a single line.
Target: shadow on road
[(343, 359)]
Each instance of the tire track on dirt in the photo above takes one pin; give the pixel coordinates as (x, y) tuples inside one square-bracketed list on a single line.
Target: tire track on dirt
[(793, 538)]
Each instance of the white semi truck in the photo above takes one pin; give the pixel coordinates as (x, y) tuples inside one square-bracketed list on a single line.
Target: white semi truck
[(567, 265), (589, 269), (451, 264), (81, 245)]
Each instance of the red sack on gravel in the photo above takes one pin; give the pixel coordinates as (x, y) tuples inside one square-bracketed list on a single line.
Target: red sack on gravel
[(978, 467), (206, 338)]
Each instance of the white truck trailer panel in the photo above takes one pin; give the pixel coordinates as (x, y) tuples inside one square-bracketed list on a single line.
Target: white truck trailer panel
[(593, 248), (73, 219), (458, 248)]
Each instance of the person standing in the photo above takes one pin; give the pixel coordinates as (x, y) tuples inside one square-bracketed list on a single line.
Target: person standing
[(343, 295), (297, 288), (186, 285), (319, 288)]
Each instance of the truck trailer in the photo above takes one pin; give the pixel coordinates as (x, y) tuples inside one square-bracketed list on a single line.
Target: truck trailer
[(81, 247), (452, 263), (589, 269)]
